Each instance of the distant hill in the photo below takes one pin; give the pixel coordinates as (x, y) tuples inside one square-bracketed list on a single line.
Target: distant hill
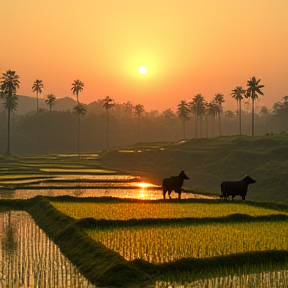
[(208, 162), (27, 104)]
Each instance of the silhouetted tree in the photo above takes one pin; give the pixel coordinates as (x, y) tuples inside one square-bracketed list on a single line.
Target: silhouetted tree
[(77, 86), (80, 110), (252, 92), (9, 85), (280, 110), (212, 112), (128, 108), (183, 111), (51, 100), (108, 104), (219, 99), (229, 114), (198, 106), (37, 87), (138, 110), (237, 95)]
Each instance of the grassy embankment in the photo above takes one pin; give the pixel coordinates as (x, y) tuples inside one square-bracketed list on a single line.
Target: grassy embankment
[(210, 161)]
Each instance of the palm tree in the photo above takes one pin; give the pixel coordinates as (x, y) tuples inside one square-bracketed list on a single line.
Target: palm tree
[(252, 91), (8, 88), (237, 95), (79, 109), (198, 108), (212, 112), (229, 114), (219, 99), (77, 86), (37, 87), (183, 111), (138, 110), (51, 100), (108, 104)]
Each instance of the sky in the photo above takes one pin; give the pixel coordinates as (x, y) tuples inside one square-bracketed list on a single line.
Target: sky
[(187, 46)]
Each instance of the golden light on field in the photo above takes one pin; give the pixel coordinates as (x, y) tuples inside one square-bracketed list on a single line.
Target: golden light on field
[(142, 70)]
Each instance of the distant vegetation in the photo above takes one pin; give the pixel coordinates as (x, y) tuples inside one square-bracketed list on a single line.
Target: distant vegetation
[(36, 128)]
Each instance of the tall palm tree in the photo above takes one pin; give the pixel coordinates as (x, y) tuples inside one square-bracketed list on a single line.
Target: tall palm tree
[(237, 95), (108, 104), (229, 114), (138, 110), (198, 106), (219, 99), (212, 112), (77, 86), (37, 87), (51, 100), (252, 91), (183, 112), (80, 110), (8, 89)]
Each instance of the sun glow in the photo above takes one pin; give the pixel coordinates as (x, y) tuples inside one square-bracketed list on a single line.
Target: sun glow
[(144, 185), (142, 70)]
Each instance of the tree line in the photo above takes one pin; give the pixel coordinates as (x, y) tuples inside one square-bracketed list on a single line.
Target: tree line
[(60, 131)]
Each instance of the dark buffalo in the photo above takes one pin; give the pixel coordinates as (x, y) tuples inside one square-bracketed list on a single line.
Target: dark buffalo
[(174, 183), (234, 188)]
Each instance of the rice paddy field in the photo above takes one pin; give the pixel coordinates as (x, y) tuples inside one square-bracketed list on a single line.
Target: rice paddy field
[(159, 232), (164, 243)]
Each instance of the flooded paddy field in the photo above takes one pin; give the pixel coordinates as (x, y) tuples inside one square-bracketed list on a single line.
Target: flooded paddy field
[(30, 258)]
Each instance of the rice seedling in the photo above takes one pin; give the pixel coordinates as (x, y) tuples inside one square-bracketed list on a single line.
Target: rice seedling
[(165, 243), (84, 170), (124, 211), (28, 258)]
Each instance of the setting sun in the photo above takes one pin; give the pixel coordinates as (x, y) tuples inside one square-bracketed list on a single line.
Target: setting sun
[(142, 70)]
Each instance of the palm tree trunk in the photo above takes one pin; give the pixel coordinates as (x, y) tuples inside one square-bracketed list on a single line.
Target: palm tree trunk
[(37, 101), (240, 112), (196, 125), (78, 132), (184, 128), (8, 134), (107, 143), (50, 130), (253, 100), (138, 128), (213, 124), (219, 115)]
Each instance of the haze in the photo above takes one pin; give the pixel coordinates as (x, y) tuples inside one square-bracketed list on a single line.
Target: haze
[(187, 46)]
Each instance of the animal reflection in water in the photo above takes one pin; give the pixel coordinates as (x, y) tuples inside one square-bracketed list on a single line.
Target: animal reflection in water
[(174, 183)]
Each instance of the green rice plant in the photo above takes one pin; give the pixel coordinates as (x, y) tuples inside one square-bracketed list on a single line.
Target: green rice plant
[(84, 170), (140, 210), (165, 243)]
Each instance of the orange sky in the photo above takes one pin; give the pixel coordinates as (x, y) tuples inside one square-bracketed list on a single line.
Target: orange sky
[(187, 46)]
